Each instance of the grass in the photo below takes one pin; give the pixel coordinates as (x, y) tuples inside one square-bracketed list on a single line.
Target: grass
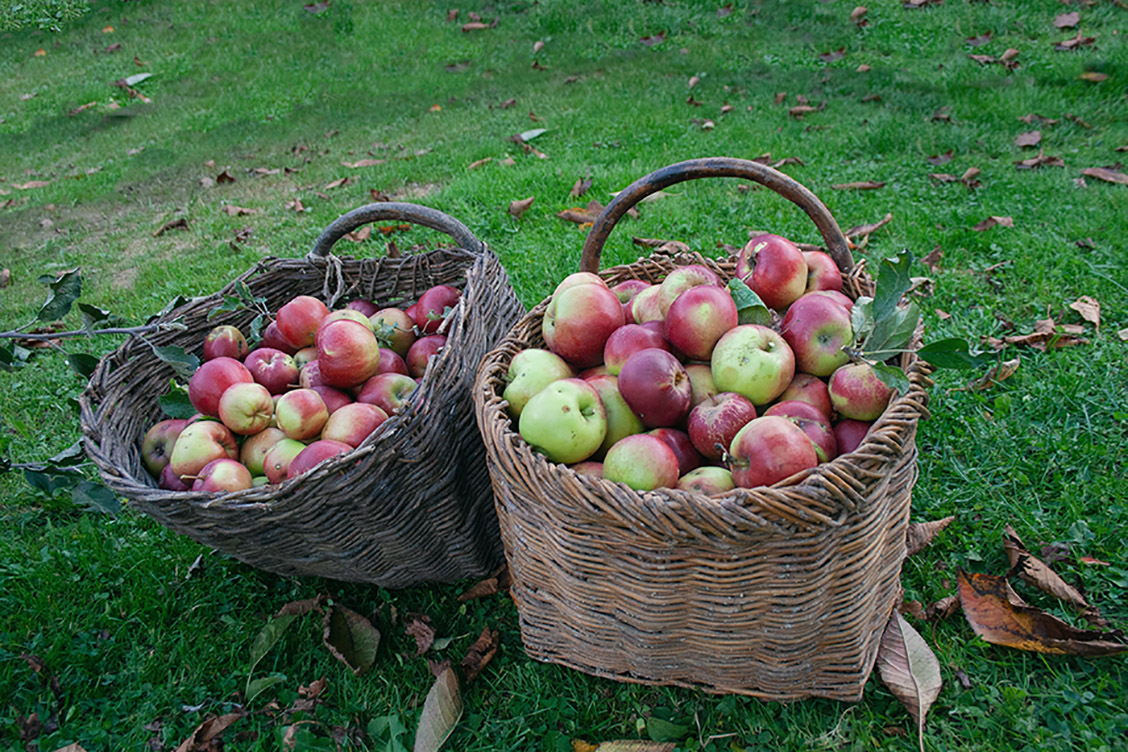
[(144, 650)]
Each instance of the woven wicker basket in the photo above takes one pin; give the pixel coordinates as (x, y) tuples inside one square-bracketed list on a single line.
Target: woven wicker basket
[(412, 504), (780, 593)]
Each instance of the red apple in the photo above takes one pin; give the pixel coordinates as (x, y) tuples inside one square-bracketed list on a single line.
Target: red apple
[(432, 304), (589, 468), (278, 459), (647, 305), (856, 392), (367, 307), (305, 356), (200, 443), (297, 320), (822, 272), (717, 420), (817, 329), (621, 421), (838, 297), (157, 444), (421, 353), (388, 391), (810, 389), (643, 462), (391, 362), (333, 398), (769, 449), (588, 373), (211, 380), (708, 480), (575, 279), (395, 329), (246, 408), (254, 449), (812, 422), (348, 353), (343, 314), (223, 476), (225, 341), (698, 318), (681, 445), (353, 423), (565, 421), (629, 339), (774, 268), (310, 376), (754, 361), (169, 482), (656, 387), (314, 454), (850, 434), (530, 371), (301, 414), (272, 338), (272, 368), (578, 322), (682, 279), (626, 292)]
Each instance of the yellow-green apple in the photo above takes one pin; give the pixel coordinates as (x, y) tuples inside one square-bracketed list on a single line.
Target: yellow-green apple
[(391, 362), (348, 314), (314, 454), (626, 291), (656, 387), (621, 421), (254, 449), (641, 461), (367, 307), (169, 482), (211, 380), (305, 356), (754, 361), (681, 279), (717, 420), (850, 434), (157, 444), (701, 382), (387, 391), (812, 422), (272, 368), (353, 423), (272, 337), (810, 389), (333, 397), (395, 329), (246, 408), (298, 320), (708, 480), (347, 352), (822, 272), (698, 318), (530, 371), (774, 268), (681, 445), (629, 339), (856, 392), (769, 449), (432, 306), (578, 321), (278, 459), (225, 341), (301, 414), (223, 476), (258, 481), (817, 329), (421, 352), (838, 297), (588, 467), (565, 421), (646, 305), (200, 443)]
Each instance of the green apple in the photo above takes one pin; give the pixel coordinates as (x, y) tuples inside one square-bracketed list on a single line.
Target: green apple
[(565, 421), (530, 371), (754, 361)]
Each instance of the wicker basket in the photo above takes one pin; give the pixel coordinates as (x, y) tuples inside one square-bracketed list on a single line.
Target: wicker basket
[(412, 504), (780, 593)]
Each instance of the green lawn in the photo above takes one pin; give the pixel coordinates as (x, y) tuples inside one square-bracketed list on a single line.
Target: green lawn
[(144, 650)]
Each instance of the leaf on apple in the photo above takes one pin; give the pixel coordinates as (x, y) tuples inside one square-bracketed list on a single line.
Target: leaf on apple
[(750, 309)]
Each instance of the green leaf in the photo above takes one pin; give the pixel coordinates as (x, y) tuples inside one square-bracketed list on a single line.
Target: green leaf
[(95, 497), (260, 685), (92, 315), (387, 730), (64, 291), (82, 363), (230, 303), (893, 377), (892, 333), (351, 638), (12, 356), (267, 638), (861, 319), (892, 283), (69, 457), (183, 364), (258, 323), (175, 402), (953, 353), (51, 482), (176, 302), (441, 711), (660, 730), (749, 308)]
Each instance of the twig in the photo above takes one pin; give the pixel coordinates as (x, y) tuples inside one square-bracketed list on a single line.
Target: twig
[(17, 334)]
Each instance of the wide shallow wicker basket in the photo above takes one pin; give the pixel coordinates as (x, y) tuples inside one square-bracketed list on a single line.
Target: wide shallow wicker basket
[(780, 593), (412, 504)]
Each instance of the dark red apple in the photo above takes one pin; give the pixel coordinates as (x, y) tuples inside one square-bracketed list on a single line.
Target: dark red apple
[(298, 320), (682, 279), (629, 339), (774, 268), (822, 272), (223, 476), (388, 391), (391, 362), (333, 397), (698, 318), (272, 368), (656, 387), (838, 297), (310, 376), (432, 304), (850, 434), (810, 389), (421, 353), (314, 454), (769, 449), (272, 338), (211, 380), (169, 482), (225, 341), (367, 307), (812, 422), (579, 321), (157, 444), (817, 329), (717, 420), (856, 392)]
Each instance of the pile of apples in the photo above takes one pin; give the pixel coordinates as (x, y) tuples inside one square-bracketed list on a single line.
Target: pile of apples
[(317, 385), (659, 386)]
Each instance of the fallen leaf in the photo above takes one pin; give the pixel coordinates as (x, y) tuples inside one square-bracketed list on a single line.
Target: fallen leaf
[(441, 711), (457, 67), (1090, 559), (910, 669), (578, 215), (303, 607), (338, 183), (238, 211), (1067, 20), (862, 230), (316, 8), (478, 163), (225, 177), (863, 68), (1008, 58), (201, 739), (693, 81), (939, 159), (992, 221), (693, 102), (364, 163), (1075, 119), (39, 53), (5, 278), (351, 638), (943, 315), (1086, 244), (1030, 118), (944, 177), (799, 110), (724, 10), (31, 184), (479, 26), (1093, 76), (580, 187), (868, 185), (80, 108), (360, 235), (71, 748), (260, 171), (139, 62), (1042, 160), (295, 205), (1000, 617), (175, 224), (933, 258), (497, 582), (833, 55), (857, 14), (942, 608), (623, 745), (942, 115), (389, 229), (995, 374), (968, 178), (654, 39), (1089, 309), (1033, 571), (920, 534), (1123, 335), (1100, 173), (537, 46), (508, 161), (983, 59), (419, 627), (452, 15), (480, 653), (107, 29), (1074, 43), (1028, 139), (983, 38)]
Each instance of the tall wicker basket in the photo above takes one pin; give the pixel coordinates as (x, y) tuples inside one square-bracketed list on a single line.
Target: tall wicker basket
[(780, 593), (412, 504)]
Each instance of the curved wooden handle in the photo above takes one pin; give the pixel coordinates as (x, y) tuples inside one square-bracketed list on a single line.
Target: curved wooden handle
[(716, 167), (396, 212)]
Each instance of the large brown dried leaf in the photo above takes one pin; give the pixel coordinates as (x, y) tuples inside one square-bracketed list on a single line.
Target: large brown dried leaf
[(580, 187), (441, 711), (1034, 571), (1042, 160), (1089, 309), (351, 638), (920, 534), (1000, 617), (480, 653), (933, 258), (1105, 174), (200, 740), (910, 669), (1075, 42), (1067, 20), (239, 211), (303, 607), (419, 627), (520, 206), (990, 222), (174, 224), (499, 580), (623, 745), (1028, 140), (579, 215)]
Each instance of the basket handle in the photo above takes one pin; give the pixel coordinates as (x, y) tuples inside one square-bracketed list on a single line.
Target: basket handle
[(396, 212), (716, 167)]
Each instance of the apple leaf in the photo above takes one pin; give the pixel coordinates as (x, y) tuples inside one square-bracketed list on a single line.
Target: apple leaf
[(82, 363), (892, 333), (179, 300), (12, 357), (893, 377), (92, 315), (95, 497), (69, 457), (267, 638), (263, 683), (893, 281), (441, 711), (749, 308), (230, 303), (952, 353), (65, 290), (184, 364), (49, 481), (175, 402), (861, 318), (351, 638)]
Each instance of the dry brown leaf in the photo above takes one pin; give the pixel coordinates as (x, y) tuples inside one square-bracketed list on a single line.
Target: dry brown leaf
[(724, 11), (999, 616), (654, 39), (1089, 309), (863, 230), (479, 26), (225, 177), (1100, 173), (933, 258), (296, 205), (944, 177), (1042, 160), (578, 215), (480, 653), (200, 739), (998, 372), (441, 711), (517, 208), (175, 224), (623, 745), (364, 163), (1030, 118), (867, 185), (419, 627), (1033, 571), (452, 15), (75, 747), (39, 53), (350, 638), (939, 159), (799, 110), (31, 184), (1123, 335), (942, 608), (1079, 121), (1075, 42), (983, 38), (5, 278), (920, 534), (1067, 20), (833, 55), (942, 315), (507, 104), (693, 81), (360, 235), (726, 108), (693, 102), (337, 183), (1093, 76), (993, 221), (239, 211), (478, 163), (80, 108), (1008, 55), (497, 582), (983, 59), (910, 669), (580, 187), (1028, 140), (858, 13)]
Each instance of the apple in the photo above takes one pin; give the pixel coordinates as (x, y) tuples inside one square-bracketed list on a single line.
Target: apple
[(698, 318), (258, 481), (169, 482), (314, 454), (641, 461), (254, 449), (353, 423), (626, 292), (278, 459), (856, 392), (225, 341), (246, 408), (298, 320), (629, 339), (301, 414), (157, 444), (387, 391), (432, 304), (305, 356), (578, 322), (343, 314), (394, 328), (717, 420), (211, 380), (822, 272), (646, 305), (709, 480), (688, 457), (621, 421), (838, 297), (701, 382), (817, 329), (565, 421), (200, 443), (588, 467), (367, 307), (850, 434), (391, 362), (587, 373), (223, 476), (769, 449), (421, 352), (310, 376), (348, 353), (754, 361), (656, 387), (812, 422), (575, 279), (272, 368), (682, 279), (530, 371), (810, 389), (272, 338), (333, 398), (774, 268)]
